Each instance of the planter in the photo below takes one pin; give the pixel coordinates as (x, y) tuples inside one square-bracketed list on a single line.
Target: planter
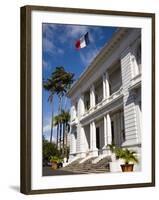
[(127, 167), (54, 165)]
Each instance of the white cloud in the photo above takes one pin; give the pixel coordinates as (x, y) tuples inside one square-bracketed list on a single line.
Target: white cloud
[(76, 31), (45, 64), (88, 57), (47, 124), (49, 30), (47, 128), (48, 45), (49, 38), (47, 132)]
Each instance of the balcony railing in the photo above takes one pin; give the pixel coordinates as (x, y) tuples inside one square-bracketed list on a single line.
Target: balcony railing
[(115, 94), (104, 102)]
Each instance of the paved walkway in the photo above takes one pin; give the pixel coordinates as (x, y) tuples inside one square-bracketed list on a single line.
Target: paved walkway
[(48, 171)]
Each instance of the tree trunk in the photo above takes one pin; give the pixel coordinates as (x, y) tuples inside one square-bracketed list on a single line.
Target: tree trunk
[(59, 110), (52, 116), (57, 137), (64, 138), (60, 134), (66, 143)]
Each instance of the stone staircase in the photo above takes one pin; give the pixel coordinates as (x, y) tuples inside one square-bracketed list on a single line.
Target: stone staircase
[(88, 167)]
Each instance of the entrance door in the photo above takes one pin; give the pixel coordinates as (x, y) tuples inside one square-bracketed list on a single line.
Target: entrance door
[(117, 128), (112, 130), (97, 138)]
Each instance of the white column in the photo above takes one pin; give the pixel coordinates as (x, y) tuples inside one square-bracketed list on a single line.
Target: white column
[(94, 136), (91, 139), (107, 85), (82, 142), (73, 113), (104, 86), (81, 106), (109, 132), (73, 143), (93, 148), (105, 132), (92, 96)]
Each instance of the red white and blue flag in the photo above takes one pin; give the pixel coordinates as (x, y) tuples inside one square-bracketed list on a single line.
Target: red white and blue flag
[(82, 42)]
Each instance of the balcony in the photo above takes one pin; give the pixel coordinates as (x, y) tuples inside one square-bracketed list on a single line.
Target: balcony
[(116, 95)]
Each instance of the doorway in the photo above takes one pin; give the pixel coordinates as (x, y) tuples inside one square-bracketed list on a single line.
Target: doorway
[(97, 137)]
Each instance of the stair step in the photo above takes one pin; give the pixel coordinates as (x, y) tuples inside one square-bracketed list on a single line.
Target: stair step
[(88, 167)]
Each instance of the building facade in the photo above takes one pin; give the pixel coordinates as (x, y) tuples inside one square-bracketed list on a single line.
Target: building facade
[(106, 99)]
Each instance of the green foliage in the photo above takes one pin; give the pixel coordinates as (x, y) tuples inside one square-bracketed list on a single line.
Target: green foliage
[(49, 149), (127, 155), (56, 159), (59, 81), (112, 147)]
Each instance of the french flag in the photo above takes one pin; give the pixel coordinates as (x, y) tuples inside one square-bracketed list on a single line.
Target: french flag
[(82, 42)]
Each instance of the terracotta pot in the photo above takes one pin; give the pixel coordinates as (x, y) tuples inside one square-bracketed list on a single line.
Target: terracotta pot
[(54, 165), (127, 167)]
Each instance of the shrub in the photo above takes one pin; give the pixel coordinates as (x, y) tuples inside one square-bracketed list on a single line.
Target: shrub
[(49, 149)]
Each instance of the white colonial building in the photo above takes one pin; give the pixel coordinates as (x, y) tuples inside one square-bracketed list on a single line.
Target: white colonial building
[(106, 99)]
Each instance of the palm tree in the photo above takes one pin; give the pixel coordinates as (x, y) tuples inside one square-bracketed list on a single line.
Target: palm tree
[(65, 117), (63, 80), (59, 83), (50, 86), (56, 122)]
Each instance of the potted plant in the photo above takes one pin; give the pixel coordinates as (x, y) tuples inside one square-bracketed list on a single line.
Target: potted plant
[(129, 158), (54, 162)]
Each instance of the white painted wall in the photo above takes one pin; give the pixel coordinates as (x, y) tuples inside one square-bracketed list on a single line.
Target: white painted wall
[(129, 105), (9, 102)]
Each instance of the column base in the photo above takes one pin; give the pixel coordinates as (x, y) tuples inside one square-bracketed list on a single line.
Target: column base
[(72, 156), (106, 151), (93, 153), (82, 155)]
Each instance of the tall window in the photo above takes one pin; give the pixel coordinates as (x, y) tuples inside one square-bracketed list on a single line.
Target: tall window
[(98, 91), (115, 80), (112, 130), (138, 57), (87, 100)]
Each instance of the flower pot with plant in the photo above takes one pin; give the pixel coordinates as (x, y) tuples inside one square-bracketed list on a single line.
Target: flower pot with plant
[(129, 158), (54, 162)]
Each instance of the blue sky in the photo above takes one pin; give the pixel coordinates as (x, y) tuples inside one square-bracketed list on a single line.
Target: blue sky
[(59, 50)]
